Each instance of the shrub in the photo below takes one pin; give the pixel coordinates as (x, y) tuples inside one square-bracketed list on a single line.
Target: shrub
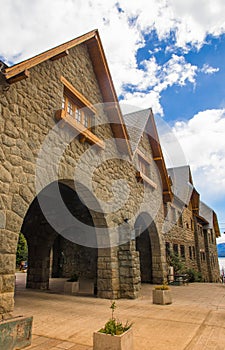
[(162, 287), (177, 263), (194, 276), (22, 249)]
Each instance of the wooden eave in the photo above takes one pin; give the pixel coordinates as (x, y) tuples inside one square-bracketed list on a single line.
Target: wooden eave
[(101, 69), (158, 157), (108, 92), (47, 55), (195, 199), (201, 220), (216, 225)]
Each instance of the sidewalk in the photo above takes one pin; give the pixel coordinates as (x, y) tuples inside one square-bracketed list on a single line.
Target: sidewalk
[(194, 321)]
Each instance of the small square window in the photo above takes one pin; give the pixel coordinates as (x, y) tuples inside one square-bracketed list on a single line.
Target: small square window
[(70, 108), (78, 115)]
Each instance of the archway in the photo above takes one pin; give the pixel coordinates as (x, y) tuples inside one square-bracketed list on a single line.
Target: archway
[(148, 246), (58, 254)]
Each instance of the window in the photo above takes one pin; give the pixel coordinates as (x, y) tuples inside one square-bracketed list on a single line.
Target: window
[(190, 252), (173, 214), (175, 248), (212, 236), (167, 249), (203, 256), (143, 166), (182, 251), (73, 110), (79, 113), (144, 173), (180, 219), (193, 250)]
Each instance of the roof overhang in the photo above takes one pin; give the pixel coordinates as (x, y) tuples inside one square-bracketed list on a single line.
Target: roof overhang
[(216, 225), (158, 157)]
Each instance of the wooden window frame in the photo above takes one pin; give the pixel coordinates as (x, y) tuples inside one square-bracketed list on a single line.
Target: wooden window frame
[(73, 110), (141, 174), (78, 101)]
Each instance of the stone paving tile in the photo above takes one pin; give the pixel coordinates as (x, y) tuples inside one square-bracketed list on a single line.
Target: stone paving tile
[(81, 347), (36, 340), (194, 321), (65, 345), (45, 345)]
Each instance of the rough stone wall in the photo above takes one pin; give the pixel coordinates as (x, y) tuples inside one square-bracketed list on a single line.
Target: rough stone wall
[(76, 260), (180, 231), (198, 242), (153, 205), (27, 112), (213, 274)]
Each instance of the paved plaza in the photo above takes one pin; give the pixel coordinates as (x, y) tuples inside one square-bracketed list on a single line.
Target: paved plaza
[(194, 321)]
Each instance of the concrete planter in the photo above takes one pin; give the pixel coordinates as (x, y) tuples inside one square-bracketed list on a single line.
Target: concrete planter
[(71, 287), (102, 341), (15, 333), (162, 297)]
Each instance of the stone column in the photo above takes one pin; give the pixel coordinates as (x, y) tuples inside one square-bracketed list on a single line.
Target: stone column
[(129, 270), (108, 273), (8, 245), (39, 266)]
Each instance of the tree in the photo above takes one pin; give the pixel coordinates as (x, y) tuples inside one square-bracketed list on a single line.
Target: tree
[(22, 249), (177, 263)]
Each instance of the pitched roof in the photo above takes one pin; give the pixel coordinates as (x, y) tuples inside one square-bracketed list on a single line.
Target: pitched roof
[(143, 121), (101, 69), (136, 124), (207, 213), (182, 185)]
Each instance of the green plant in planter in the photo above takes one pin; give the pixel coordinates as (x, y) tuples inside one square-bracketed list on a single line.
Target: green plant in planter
[(113, 326), (162, 287), (73, 278)]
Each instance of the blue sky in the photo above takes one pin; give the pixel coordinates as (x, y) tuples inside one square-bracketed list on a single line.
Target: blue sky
[(168, 55)]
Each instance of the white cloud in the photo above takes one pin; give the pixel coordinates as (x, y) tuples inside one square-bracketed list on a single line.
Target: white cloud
[(209, 70), (194, 20), (145, 100), (175, 71), (31, 27), (202, 140)]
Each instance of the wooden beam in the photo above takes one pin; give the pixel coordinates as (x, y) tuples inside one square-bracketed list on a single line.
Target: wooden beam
[(60, 55), (77, 94), (23, 75), (84, 133), (157, 158), (143, 156)]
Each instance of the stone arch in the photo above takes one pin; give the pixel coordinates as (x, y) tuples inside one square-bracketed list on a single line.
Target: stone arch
[(149, 248), (48, 227)]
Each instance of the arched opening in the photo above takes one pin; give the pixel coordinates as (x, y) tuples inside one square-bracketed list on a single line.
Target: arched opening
[(147, 244), (53, 248)]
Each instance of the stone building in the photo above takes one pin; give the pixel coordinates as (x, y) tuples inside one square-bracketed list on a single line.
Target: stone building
[(88, 199), (191, 227)]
